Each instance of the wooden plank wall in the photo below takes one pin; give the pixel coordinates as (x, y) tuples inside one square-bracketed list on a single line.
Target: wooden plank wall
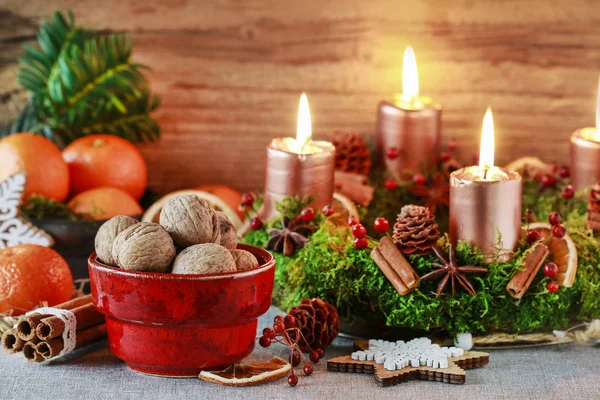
[(230, 71)]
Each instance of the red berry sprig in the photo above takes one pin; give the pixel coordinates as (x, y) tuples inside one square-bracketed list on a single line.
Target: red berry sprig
[(247, 206), (550, 270), (552, 287), (381, 225), (286, 332), (548, 180), (568, 192), (328, 210), (392, 153), (256, 223), (308, 214), (419, 179), (554, 218), (391, 184)]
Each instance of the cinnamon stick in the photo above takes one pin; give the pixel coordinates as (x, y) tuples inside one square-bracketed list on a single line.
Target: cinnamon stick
[(31, 354), (27, 324), (52, 348), (523, 278), (354, 186), (11, 342), (53, 327), (394, 266)]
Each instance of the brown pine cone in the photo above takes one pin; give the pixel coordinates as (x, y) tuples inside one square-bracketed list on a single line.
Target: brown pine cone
[(415, 230), (351, 152), (318, 321)]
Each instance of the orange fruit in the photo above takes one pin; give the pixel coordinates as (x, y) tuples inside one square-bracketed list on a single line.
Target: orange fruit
[(230, 196), (562, 252), (47, 172), (104, 203), (152, 214), (31, 275), (249, 375), (106, 161)]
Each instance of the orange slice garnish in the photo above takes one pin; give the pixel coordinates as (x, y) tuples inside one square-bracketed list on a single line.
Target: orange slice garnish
[(248, 375)]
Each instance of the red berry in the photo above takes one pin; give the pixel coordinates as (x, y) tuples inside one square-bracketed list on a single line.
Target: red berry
[(328, 210), (352, 220), (554, 218), (278, 327), (295, 359), (308, 214), (552, 287), (308, 370), (568, 192), (533, 236), (550, 270), (564, 171), (445, 156), (452, 145), (381, 225), (289, 321), (264, 341), (277, 319), (392, 153), (391, 184), (247, 199), (268, 333), (314, 357), (361, 243), (554, 167), (256, 224), (419, 179), (548, 180), (359, 231), (292, 380), (320, 352), (559, 231)]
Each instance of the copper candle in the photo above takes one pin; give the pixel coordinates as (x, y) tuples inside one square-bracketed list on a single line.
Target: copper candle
[(409, 128), (299, 167), (485, 203), (585, 154)]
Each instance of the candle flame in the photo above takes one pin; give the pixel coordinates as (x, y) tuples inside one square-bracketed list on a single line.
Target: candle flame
[(486, 149), (410, 75), (304, 130)]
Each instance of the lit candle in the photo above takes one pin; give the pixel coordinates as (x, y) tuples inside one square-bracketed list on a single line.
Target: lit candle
[(485, 202), (585, 154), (299, 167), (408, 129)]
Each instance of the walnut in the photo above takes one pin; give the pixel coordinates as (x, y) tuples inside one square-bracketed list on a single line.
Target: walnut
[(228, 231), (190, 220), (208, 258), (146, 246), (244, 260), (106, 236)]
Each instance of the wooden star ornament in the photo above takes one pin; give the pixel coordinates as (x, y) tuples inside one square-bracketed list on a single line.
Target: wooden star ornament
[(14, 230), (395, 362)]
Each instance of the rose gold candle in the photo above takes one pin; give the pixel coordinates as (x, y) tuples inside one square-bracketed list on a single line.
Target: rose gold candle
[(299, 167), (585, 154), (409, 129), (485, 203)]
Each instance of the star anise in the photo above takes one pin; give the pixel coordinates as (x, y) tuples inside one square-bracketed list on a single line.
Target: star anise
[(451, 271), (436, 195), (293, 235)]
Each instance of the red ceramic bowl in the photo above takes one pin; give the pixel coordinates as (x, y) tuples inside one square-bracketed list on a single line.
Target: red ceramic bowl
[(179, 325)]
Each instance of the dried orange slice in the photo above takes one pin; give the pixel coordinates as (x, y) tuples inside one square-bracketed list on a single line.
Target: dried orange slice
[(153, 213), (344, 208), (530, 167), (248, 375), (562, 252)]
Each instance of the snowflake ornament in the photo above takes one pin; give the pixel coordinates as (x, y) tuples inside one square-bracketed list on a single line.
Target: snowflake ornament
[(14, 230), (396, 362)]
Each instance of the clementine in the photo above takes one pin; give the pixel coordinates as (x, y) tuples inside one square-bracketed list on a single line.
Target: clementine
[(47, 172), (106, 161), (31, 275), (104, 203)]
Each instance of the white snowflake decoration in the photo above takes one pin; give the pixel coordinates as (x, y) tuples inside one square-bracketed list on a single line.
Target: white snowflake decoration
[(414, 353), (14, 230)]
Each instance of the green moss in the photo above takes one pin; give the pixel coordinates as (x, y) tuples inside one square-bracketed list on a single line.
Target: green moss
[(330, 268), (39, 207)]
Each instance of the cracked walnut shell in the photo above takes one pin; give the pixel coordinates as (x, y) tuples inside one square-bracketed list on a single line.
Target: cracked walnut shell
[(190, 220), (145, 246), (207, 258), (106, 236)]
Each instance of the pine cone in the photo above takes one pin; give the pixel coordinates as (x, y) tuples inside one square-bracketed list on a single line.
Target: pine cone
[(351, 152), (415, 230), (318, 321)]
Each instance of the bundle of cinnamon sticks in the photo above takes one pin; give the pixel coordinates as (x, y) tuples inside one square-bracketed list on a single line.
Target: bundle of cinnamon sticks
[(40, 337)]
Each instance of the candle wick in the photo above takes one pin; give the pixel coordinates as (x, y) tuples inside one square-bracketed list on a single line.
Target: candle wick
[(485, 171)]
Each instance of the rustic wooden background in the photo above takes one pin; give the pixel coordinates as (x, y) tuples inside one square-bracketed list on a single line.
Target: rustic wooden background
[(230, 71)]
